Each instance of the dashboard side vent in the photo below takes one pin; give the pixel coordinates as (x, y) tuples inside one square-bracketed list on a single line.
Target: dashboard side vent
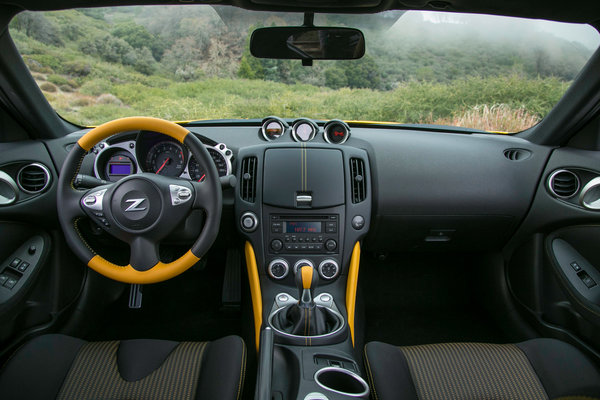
[(517, 154), (563, 183), (33, 178), (358, 180), (248, 186)]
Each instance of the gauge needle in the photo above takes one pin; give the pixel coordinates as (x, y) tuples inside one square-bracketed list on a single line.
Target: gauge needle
[(202, 177), (163, 165)]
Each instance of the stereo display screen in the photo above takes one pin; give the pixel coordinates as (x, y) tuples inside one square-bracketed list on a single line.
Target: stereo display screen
[(302, 227)]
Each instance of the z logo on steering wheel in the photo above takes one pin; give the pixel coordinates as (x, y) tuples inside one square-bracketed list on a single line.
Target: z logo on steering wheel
[(134, 205)]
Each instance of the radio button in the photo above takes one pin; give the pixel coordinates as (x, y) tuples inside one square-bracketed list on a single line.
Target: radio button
[(276, 245), (331, 227), (330, 245)]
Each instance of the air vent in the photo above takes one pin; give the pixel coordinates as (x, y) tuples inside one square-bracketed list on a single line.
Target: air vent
[(563, 183), (248, 186), (359, 180), (517, 154), (33, 178)]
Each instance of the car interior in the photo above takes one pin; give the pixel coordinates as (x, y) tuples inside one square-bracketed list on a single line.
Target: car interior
[(305, 257)]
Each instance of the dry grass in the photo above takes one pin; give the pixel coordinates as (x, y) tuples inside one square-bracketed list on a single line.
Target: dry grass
[(499, 117)]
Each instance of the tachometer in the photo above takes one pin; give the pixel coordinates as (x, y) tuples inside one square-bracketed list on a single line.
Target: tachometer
[(166, 158), (221, 160)]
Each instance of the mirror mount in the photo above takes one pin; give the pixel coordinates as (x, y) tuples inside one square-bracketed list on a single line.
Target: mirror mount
[(309, 20)]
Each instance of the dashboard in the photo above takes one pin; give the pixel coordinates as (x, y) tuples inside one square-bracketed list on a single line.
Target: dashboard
[(155, 153)]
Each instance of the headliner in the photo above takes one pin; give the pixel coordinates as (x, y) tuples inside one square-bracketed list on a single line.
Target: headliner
[(569, 11)]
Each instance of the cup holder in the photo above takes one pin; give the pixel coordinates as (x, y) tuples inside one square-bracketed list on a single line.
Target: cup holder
[(341, 381)]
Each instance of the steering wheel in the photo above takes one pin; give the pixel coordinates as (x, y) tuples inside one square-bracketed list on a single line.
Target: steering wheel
[(141, 209)]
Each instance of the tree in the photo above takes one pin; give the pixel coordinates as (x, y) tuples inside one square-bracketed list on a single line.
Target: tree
[(138, 37), (335, 78)]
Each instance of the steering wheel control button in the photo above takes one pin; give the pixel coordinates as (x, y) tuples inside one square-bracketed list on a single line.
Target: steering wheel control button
[(329, 269), (278, 269), (93, 201), (179, 194), (330, 245), (136, 204), (358, 222), (276, 245), (249, 222), (325, 298)]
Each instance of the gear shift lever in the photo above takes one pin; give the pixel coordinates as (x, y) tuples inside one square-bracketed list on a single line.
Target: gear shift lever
[(306, 318), (306, 281)]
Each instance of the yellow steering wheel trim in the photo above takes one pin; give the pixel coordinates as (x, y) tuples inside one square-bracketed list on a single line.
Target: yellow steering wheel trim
[(126, 273)]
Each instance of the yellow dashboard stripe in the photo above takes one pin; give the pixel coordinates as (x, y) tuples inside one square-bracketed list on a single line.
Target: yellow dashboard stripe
[(351, 287), (255, 292)]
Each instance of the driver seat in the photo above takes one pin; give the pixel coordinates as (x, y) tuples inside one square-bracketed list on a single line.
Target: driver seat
[(62, 367)]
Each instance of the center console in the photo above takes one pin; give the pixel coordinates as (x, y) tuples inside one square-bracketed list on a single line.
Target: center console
[(303, 210)]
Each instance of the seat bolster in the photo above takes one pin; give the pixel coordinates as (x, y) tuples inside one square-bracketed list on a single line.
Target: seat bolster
[(223, 370), (562, 369), (138, 358), (38, 369), (388, 372)]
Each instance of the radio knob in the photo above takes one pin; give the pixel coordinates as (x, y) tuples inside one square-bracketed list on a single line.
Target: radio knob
[(278, 269), (276, 245), (329, 269), (330, 245)]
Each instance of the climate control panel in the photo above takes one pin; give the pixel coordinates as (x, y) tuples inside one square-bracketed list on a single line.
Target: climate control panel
[(279, 268)]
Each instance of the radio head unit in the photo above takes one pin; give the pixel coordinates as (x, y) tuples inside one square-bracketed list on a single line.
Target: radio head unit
[(303, 234)]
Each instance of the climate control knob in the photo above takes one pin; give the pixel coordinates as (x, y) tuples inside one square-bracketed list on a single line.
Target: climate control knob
[(329, 269), (278, 269), (330, 245)]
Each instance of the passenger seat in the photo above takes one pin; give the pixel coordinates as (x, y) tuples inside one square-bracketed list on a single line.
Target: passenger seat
[(537, 369)]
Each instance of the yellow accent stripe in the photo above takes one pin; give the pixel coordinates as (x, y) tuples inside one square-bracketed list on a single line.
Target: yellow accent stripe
[(254, 291), (108, 129), (160, 272), (351, 286)]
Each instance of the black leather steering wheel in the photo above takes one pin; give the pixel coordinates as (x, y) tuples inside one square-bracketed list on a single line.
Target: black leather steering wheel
[(140, 209)]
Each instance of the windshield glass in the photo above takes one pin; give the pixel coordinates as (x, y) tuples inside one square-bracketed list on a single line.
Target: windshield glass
[(193, 62)]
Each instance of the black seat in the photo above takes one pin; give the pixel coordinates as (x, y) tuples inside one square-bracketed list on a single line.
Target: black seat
[(535, 369), (63, 367)]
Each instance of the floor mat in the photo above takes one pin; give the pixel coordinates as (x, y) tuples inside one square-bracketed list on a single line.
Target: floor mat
[(424, 298)]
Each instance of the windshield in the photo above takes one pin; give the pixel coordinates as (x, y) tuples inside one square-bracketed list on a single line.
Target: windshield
[(192, 62)]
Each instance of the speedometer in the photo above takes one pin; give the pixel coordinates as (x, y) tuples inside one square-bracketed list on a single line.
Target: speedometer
[(166, 158)]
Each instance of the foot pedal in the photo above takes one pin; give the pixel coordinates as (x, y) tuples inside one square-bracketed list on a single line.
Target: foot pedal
[(135, 296), (232, 284)]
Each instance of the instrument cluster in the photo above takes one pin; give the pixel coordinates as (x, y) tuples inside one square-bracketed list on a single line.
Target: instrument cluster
[(305, 130), (156, 153)]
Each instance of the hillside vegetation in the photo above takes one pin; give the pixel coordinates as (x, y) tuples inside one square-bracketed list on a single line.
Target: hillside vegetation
[(192, 62)]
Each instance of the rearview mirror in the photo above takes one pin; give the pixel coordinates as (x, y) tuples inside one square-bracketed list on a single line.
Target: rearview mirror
[(307, 43)]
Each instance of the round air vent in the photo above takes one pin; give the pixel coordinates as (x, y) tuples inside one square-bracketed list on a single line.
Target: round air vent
[(33, 178), (563, 183)]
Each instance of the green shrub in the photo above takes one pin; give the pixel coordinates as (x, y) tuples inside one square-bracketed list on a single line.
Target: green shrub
[(48, 87)]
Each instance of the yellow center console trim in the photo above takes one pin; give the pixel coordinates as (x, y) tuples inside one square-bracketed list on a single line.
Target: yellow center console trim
[(160, 272), (351, 286), (255, 292), (108, 129)]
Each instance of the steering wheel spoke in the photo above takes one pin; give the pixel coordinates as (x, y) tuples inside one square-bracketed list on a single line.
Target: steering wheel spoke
[(203, 196), (144, 253)]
